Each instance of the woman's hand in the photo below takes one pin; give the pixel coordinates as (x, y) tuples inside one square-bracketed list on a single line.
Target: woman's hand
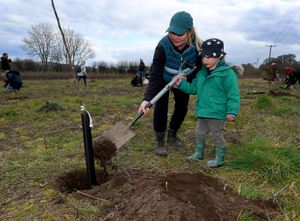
[(143, 108)]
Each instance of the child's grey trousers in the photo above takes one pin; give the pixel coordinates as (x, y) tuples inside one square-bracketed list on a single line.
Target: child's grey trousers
[(215, 127)]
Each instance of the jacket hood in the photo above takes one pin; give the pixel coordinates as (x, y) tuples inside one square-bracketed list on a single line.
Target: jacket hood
[(238, 69)]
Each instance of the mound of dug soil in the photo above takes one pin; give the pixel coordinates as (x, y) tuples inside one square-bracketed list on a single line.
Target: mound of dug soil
[(145, 196)]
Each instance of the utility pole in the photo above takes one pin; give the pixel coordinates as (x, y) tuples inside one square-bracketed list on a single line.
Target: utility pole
[(270, 51), (256, 66)]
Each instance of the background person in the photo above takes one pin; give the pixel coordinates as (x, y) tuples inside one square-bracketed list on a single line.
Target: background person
[(218, 99), (181, 44), (5, 62), (274, 72), (81, 72), (136, 82), (141, 72), (292, 76), (12, 82)]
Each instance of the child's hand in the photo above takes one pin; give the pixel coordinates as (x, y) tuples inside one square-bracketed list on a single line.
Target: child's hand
[(230, 117), (178, 81)]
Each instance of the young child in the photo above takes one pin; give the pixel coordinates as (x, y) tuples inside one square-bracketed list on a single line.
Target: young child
[(218, 99)]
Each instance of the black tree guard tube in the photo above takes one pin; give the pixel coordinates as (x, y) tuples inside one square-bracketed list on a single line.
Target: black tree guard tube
[(88, 147)]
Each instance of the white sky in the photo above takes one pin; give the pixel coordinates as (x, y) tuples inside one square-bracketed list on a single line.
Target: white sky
[(127, 30)]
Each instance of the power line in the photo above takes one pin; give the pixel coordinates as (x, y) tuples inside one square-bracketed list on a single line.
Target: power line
[(288, 29), (279, 24), (285, 26)]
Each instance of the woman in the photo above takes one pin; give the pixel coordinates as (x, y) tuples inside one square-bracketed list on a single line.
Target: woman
[(180, 45)]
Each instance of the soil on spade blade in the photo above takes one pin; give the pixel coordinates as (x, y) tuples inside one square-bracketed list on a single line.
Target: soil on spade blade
[(138, 195)]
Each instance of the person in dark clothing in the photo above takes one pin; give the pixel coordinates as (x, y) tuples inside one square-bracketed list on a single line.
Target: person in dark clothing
[(292, 76), (141, 72), (13, 82), (136, 82), (5, 62), (180, 45)]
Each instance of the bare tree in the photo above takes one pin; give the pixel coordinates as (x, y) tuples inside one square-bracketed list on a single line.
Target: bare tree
[(56, 56), (56, 52), (77, 46), (47, 45), (39, 42)]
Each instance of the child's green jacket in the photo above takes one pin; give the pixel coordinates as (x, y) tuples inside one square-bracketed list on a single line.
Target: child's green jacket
[(217, 93)]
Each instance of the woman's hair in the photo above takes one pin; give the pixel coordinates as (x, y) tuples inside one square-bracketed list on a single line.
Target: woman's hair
[(194, 39)]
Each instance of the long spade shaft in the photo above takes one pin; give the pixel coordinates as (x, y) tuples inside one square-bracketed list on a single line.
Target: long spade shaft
[(160, 94)]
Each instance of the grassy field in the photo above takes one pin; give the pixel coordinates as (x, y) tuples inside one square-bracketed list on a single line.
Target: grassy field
[(41, 136)]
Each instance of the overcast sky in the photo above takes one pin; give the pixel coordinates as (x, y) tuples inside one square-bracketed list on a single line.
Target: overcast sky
[(130, 29)]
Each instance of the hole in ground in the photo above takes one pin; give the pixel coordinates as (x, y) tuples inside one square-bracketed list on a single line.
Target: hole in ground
[(78, 180)]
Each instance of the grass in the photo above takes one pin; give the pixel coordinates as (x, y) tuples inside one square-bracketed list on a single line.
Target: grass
[(275, 165), (40, 137), (51, 106), (264, 102)]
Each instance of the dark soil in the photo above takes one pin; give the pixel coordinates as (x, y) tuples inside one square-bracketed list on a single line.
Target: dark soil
[(104, 150), (77, 180), (139, 195), (280, 92)]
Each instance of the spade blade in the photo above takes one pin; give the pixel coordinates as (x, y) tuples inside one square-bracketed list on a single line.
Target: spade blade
[(119, 134)]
